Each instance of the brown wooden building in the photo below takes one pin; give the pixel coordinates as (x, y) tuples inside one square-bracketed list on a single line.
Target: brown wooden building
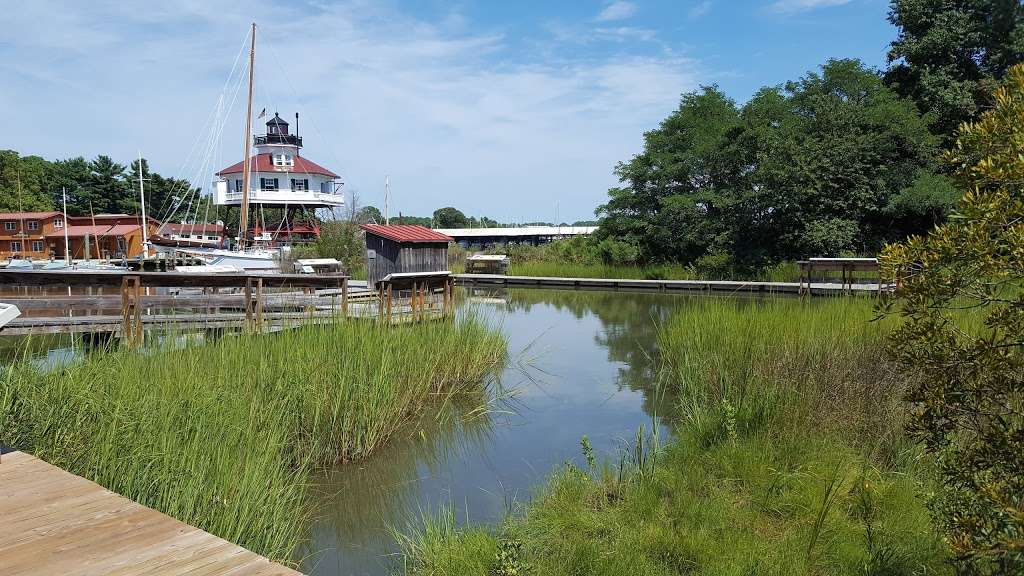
[(403, 248), (40, 235)]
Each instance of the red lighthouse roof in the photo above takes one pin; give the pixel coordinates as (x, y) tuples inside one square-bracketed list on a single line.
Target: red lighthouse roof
[(264, 163)]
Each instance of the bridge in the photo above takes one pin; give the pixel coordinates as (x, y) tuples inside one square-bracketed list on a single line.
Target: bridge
[(522, 235)]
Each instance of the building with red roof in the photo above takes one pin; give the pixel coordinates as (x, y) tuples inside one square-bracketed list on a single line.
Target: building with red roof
[(401, 248), (281, 178), (42, 235)]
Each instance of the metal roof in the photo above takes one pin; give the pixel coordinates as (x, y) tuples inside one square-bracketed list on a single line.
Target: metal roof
[(27, 215), (276, 120), (264, 163), (521, 231), (406, 233)]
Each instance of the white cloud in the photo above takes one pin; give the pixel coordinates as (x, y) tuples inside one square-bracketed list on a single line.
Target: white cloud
[(455, 118), (618, 10), (804, 5), (700, 9)]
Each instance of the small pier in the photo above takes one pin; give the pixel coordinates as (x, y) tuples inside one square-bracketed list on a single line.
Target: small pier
[(722, 287), (55, 522)]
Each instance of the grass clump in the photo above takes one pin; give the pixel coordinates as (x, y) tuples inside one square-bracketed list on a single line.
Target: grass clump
[(223, 436), (788, 458)]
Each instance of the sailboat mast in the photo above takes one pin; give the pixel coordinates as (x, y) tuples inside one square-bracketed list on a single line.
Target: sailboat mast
[(67, 243), (142, 202), (243, 221), (387, 197)]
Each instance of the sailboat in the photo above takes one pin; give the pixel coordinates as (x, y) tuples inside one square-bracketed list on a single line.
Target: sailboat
[(277, 155)]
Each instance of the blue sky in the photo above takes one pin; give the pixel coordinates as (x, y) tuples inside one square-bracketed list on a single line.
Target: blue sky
[(508, 109)]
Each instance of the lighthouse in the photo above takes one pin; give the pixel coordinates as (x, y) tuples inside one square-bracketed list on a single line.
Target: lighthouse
[(285, 188)]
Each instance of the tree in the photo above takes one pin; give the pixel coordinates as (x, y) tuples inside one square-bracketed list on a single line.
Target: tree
[(670, 201), (170, 198), (369, 215), (962, 305), (105, 190), (450, 218), (808, 169), (23, 183), (949, 54)]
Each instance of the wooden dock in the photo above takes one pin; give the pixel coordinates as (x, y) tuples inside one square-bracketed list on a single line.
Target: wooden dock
[(722, 287), (53, 522)]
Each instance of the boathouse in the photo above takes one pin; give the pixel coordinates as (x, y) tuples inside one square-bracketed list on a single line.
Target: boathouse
[(401, 248)]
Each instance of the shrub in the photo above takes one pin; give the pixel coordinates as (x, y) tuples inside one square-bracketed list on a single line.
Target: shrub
[(962, 302)]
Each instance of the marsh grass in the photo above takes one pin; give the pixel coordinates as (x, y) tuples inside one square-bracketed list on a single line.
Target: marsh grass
[(224, 436), (788, 458)]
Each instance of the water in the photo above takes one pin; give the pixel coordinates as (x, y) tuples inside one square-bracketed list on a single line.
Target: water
[(583, 363)]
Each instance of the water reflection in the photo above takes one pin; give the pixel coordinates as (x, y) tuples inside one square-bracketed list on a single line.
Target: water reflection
[(582, 362)]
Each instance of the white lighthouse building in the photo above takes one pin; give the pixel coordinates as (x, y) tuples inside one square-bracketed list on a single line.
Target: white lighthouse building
[(285, 189)]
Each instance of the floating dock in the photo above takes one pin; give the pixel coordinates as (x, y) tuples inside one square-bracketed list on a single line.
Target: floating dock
[(722, 287), (54, 522)]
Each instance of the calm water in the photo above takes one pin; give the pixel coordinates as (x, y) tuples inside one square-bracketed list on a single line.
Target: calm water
[(582, 363)]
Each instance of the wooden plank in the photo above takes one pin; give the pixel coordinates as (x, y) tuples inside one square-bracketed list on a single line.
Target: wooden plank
[(163, 279), (76, 527), (719, 286)]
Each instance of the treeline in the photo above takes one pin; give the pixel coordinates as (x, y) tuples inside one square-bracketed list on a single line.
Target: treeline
[(451, 217), (838, 162), (98, 186)]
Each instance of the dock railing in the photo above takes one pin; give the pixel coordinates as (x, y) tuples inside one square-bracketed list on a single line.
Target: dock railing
[(847, 267), (134, 298)]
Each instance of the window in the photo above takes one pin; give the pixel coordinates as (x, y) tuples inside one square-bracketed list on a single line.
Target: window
[(283, 160), (300, 183), (10, 226), (268, 183), (15, 246), (211, 237), (33, 225), (58, 223), (325, 188), (122, 245), (37, 246), (238, 185)]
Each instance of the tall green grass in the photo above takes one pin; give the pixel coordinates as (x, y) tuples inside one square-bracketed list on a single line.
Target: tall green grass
[(224, 435), (788, 458)]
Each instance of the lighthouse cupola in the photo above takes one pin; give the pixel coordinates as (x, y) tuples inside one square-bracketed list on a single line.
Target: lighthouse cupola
[(278, 139)]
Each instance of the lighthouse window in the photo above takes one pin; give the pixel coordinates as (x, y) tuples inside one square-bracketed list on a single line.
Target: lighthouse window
[(300, 183), (283, 160), (268, 183)]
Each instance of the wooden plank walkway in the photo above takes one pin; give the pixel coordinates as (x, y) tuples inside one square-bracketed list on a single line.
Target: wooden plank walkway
[(53, 522), (670, 286)]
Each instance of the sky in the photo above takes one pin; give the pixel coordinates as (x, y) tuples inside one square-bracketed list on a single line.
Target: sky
[(514, 110)]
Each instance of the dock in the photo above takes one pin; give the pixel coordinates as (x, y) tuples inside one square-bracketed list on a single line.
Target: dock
[(722, 287), (54, 522)]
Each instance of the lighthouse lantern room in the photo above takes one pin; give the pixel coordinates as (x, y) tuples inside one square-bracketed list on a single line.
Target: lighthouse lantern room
[(282, 182)]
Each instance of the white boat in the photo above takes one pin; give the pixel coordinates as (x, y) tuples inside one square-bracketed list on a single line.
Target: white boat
[(250, 259), (8, 312)]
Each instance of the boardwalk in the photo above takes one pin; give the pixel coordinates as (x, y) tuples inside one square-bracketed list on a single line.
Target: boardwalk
[(53, 522), (674, 286)]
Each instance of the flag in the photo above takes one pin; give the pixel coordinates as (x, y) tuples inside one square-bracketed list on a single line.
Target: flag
[(262, 113)]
